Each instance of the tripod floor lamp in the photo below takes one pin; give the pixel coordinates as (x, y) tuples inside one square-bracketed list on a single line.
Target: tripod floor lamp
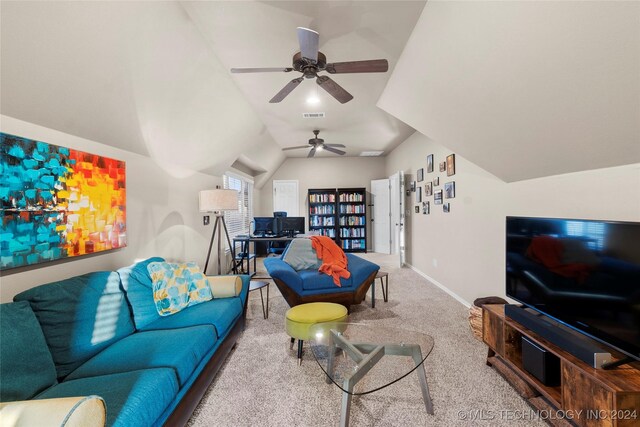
[(218, 201)]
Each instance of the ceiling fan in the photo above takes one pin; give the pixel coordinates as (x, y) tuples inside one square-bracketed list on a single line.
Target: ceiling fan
[(317, 144), (309, 61)]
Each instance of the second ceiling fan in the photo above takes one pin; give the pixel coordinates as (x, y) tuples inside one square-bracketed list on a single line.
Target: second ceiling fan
[(317, 144), (309, 61)]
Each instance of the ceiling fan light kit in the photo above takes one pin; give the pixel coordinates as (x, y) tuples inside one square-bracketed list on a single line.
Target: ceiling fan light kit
[(317, 144), (309, 61)]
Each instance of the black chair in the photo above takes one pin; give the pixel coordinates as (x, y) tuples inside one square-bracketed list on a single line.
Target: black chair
[(278, 247)]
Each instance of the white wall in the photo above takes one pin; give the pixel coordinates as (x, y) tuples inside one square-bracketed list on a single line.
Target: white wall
[(329, 172), (162, 214), (464, 250)]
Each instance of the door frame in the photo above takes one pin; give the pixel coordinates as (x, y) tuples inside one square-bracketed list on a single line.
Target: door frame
[(273, 194)]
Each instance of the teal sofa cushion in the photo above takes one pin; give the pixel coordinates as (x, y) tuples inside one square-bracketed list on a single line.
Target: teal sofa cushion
[(138, 286), (26, 366), (80, 316), (179, 349), (135, 398), (220, 312)]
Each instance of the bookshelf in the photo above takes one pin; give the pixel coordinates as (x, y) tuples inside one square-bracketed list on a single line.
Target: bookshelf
[(322, 211), (352, 219)]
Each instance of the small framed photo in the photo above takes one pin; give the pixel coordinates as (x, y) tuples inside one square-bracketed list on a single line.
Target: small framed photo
[(413, 186), (420, 175), (451, 164), (446, 208), (449, 190), (417, 209), (443, 166), (436, 181), (425, 208), (428, 189), (430, 163), (437, 197), (419, 194)]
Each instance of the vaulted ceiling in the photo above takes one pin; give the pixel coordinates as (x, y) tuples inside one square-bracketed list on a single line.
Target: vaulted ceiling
[(523, 89)]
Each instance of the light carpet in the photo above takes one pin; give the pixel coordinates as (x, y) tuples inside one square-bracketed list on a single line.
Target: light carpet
[(261, 383)]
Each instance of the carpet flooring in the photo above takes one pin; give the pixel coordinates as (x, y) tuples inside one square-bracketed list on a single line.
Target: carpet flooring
[(261, 383)]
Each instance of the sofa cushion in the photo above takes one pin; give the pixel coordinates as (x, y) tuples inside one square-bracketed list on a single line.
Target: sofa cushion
[(180, 349), (300, 255), (312, 280), (220, 313), (135, 398), (138, 287), (23, 348), (177, 286), (80, 316)]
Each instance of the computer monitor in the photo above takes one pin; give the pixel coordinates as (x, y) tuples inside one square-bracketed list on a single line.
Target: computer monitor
[(291, 225), (263, 225)]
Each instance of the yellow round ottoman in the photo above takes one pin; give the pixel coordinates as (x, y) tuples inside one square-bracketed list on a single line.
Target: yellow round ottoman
[(300, 318)]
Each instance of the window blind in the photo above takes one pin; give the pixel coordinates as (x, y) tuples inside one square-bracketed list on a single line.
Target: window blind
[(239, 222)]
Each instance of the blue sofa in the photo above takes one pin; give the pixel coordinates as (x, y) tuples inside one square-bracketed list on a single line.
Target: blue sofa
[(100, 334), (304, 286)]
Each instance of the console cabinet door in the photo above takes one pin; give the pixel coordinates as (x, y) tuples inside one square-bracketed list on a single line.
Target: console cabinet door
[(581, 394), (493, 331)]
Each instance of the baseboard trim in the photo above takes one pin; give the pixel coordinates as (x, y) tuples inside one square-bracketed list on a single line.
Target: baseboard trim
[(441, 286)]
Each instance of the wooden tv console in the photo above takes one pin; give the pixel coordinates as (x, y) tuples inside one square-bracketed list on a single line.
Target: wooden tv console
[(585, 397)]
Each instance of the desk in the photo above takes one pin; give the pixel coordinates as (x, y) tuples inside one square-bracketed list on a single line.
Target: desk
[(244, 241)]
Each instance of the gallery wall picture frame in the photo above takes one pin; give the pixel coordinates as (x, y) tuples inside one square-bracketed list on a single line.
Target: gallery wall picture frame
[(451, 164), (420, 174), (450, 190), (430, 163), (443, 166), (426, 208), (437, 197), (417, 209), (418, 194), (446, 208), (436, 181), (428, 189)]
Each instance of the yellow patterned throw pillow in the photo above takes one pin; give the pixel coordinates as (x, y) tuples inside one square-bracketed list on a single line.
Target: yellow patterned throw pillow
[(177, 286)]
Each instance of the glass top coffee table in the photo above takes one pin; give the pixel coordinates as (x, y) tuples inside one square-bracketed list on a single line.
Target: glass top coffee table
[(362, 358)]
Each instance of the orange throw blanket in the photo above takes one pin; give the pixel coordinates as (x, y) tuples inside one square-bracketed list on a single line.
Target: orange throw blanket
[(334, 261)]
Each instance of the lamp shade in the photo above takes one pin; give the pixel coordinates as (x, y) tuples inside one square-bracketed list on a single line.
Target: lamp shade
[(218, 200)]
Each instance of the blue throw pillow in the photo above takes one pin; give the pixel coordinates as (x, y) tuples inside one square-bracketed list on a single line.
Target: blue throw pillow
[(26, 365)]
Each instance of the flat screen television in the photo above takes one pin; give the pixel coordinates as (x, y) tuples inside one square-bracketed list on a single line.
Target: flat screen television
[(582, 273)]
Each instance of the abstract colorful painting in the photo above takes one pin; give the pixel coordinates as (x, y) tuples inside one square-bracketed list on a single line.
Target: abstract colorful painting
[(58, 202)]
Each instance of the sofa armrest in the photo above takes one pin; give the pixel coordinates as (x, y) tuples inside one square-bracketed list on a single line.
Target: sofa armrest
[(67, 411), (278, 269)]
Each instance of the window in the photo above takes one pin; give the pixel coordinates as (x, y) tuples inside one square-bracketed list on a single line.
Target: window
[(239, 222)]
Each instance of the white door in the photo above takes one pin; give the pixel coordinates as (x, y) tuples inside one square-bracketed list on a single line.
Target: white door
[(396, 198), (381, 216), (285, 197)]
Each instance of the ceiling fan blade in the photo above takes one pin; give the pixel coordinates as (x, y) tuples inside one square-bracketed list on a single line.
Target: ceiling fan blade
[(295, 148), (335, 145), (260, 70), (308, 40), (334, 89), (312, 152), (334, 150), (286, 90), (369, 66)]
